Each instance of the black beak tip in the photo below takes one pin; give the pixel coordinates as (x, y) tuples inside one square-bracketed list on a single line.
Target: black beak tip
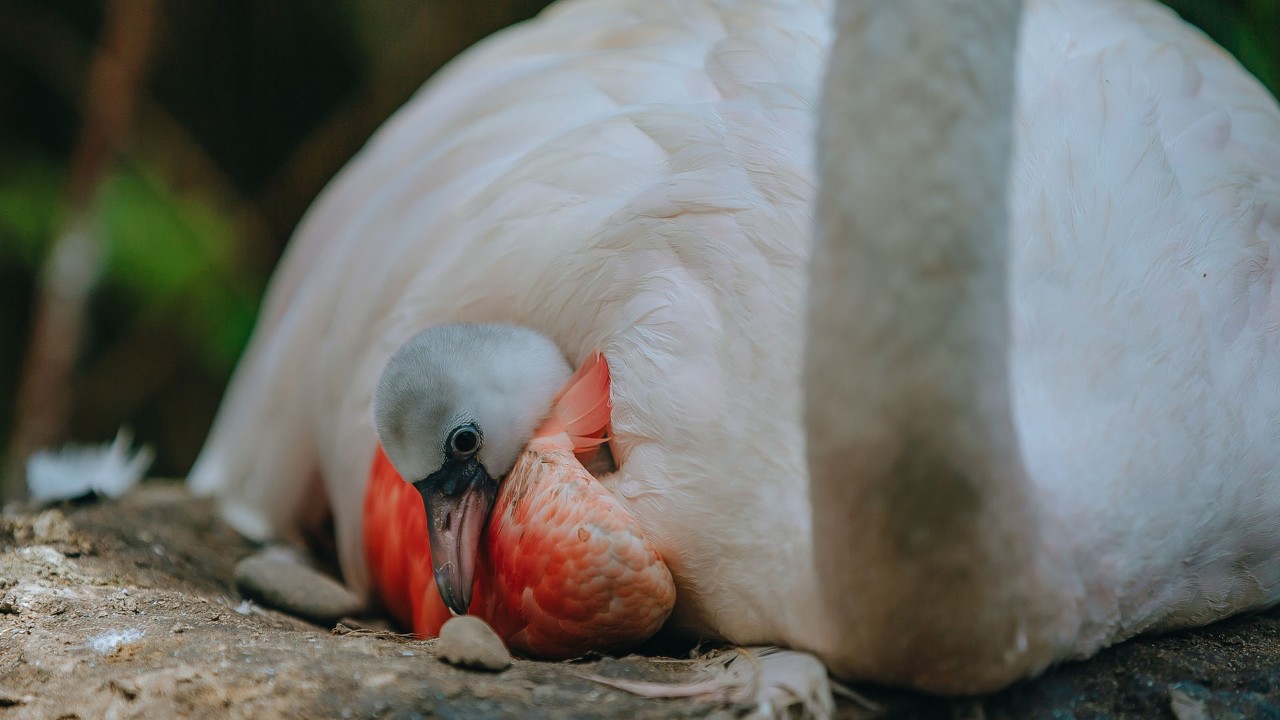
[(457, 603)]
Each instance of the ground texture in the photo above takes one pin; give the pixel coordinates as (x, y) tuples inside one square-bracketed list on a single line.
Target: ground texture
[(126, 609)]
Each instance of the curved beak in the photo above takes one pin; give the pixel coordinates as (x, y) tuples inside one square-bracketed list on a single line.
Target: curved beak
[(457, 498)]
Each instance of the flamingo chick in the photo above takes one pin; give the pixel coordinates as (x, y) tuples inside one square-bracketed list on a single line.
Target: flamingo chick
[(559, 567)]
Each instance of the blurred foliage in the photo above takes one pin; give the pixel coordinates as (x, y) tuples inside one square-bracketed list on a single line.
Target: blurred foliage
[(1248, 29), (171, 256), (251, 107)]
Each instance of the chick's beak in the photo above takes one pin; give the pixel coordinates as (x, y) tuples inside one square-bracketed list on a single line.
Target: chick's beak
[(457, 498)]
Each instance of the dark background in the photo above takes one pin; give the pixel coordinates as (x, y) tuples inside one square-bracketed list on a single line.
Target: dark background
[(244, 109)]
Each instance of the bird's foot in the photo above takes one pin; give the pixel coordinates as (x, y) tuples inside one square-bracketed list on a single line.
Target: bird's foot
[(279, 577), (776, 683)]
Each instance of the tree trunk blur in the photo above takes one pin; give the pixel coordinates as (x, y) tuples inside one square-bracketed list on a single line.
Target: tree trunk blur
[(75, 260)]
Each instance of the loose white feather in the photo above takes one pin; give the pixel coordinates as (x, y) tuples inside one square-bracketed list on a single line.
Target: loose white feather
[(74, 471)]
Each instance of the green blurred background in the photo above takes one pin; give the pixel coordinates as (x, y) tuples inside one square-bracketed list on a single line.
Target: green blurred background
[(246, 109)]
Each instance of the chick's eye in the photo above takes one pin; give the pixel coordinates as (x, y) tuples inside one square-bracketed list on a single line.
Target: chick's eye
[(464, 442)]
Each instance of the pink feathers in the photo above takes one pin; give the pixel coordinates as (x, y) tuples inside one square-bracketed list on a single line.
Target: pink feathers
[(580, 413)]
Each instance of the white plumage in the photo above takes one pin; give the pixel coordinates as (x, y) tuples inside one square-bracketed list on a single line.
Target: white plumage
[(637, 177), (632, 177), (1145, 210), (1095, 435)]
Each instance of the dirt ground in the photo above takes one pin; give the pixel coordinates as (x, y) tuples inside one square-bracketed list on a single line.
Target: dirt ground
[(126, 609)]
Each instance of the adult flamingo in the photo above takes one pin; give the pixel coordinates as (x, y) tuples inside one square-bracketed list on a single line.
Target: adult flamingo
[(634, 178)]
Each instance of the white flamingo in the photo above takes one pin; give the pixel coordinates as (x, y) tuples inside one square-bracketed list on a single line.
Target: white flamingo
[(1089, 449)]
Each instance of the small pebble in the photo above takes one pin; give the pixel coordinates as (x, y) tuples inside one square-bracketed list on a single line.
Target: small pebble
[(293, 587), (467, 641)]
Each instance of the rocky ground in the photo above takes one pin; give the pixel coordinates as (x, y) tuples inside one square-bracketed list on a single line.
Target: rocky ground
[(127, 609)]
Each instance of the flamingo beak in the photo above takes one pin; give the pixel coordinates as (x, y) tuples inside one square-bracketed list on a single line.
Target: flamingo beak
[(457, 498)]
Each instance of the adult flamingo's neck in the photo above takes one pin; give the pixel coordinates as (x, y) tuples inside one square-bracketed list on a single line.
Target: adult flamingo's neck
[(925, 526)]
